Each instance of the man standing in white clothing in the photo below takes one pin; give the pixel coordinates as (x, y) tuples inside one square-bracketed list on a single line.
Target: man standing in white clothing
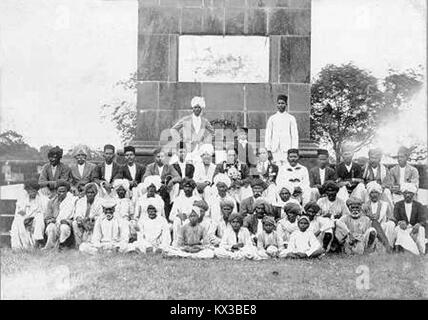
[(281, 132)]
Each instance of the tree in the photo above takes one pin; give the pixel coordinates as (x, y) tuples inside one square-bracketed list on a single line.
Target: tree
[(14, 147), (349, 104), (124, 112)]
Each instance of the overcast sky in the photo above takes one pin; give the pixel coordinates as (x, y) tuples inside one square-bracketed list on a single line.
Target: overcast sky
[(59, 60)]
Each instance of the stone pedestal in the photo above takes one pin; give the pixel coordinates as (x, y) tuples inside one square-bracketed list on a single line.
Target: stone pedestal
[(162, 100)]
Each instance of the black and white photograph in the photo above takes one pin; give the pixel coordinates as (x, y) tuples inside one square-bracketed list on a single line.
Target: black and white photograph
[(213, 150)]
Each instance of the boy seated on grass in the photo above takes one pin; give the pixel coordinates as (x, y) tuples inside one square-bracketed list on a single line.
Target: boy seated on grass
[(303, 243), (236, 242), (312, 210), (153, 232), (192, 239), (288, 225), (269, 243), (108, 235), (361, 235), (226, 206)]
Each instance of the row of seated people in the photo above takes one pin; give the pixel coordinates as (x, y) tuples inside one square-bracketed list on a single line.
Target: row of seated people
[(209, 222)]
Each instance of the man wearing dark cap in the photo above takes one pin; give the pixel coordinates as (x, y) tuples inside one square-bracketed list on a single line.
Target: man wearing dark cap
[(247, 205), (320, 174), (53, 171), (246, 152), (108, 171), (295, 174), (131, 170), (281, 132)]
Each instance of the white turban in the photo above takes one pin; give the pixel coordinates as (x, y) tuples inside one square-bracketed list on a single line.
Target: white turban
[(374, 186), (222, 177), (198, 101), (409, 187), (152, 180), (197, 210), (80, 149), (121, 183), (206, 149)]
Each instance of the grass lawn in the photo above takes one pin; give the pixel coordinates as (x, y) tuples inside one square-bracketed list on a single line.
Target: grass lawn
[(73, 275)]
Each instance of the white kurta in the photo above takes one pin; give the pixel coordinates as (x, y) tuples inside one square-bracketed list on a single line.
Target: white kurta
[(303, 242), (153, 233), (230, 238), (281, 134), (298, 176)]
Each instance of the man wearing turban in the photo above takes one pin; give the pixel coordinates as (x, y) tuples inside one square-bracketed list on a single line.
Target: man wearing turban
[(194, 129), (281, 132), (402, 173), (81, 171), (53, 171)]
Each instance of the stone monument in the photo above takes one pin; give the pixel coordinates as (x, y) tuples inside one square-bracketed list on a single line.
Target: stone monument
[(162, 99)]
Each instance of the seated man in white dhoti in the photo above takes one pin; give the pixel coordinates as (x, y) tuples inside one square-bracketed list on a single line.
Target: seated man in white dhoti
[(269, 243), (320, 174), (281, 132), (236, 242), (27, 230), (194, 129), (296, 174), (125, 208), (381, 215), (88, 209), (182, 207), (284, 192), (350, 176), (286, 226), (108, 235), (411, 220), (58, 218), (361, 236), (204, 170), (332, 209), (375, 171), (153, 232), (402, 173), (149, 189), (193, 240), (302, 243), (227, 207), (221, 184)]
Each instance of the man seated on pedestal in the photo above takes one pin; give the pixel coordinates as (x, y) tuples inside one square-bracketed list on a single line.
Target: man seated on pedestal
[(350, 177), (81, 171), (245, 150), (238, 172), (402, 173), (195, 129), (52, 172), (169, 177), (320, 174), (296, 174), (281, 132), (377, 172)]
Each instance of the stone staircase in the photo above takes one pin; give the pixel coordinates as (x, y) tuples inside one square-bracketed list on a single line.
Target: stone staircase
[(7, 212)]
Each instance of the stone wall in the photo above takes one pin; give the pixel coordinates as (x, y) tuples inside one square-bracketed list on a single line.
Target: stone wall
[(162, 100)]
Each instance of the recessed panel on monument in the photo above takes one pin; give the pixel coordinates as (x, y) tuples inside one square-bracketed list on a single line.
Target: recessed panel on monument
[(235, 59)]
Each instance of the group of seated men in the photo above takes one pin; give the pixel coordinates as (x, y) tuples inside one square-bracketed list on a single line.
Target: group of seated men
[(225, 210)]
